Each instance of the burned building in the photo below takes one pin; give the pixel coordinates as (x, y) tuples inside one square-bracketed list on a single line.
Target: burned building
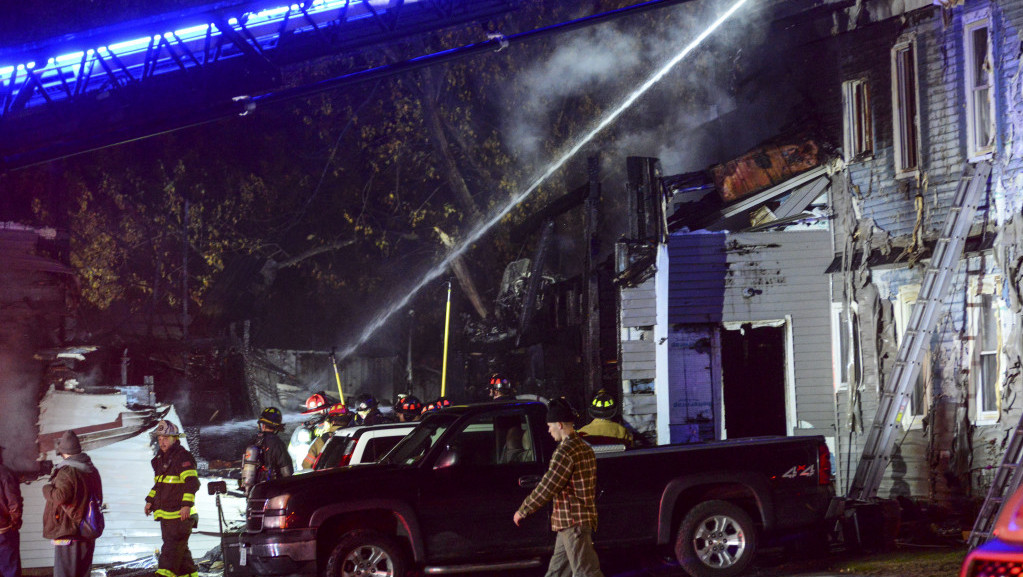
[(785, 308)]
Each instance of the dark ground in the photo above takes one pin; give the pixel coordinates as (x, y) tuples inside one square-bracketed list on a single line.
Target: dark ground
[(904, 561)]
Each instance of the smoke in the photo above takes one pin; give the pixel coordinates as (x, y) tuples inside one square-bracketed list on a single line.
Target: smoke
[(19, 382), (685, 122), (250, 426)]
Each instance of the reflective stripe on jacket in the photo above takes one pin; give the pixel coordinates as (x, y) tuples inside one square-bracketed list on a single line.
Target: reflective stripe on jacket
[(175, 482)]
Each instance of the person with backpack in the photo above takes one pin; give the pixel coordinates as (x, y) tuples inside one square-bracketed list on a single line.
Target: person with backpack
[(74, 483), (11, 508), (172, 501)]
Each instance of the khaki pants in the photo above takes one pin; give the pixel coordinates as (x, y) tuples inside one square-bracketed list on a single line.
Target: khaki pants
[(574, 555)]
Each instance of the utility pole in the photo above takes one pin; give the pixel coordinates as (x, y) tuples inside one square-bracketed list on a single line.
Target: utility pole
[(591, 301), (184, 274)]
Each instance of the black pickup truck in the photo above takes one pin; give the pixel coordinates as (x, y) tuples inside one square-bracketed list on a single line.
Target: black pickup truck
[(442, 501)]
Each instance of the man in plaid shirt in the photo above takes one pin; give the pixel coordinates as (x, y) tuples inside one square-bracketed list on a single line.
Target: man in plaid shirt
[(571, 481)]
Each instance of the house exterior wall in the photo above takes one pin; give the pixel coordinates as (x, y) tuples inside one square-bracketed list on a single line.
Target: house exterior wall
[(759, 277), (639, 355), (941, 455), (945, 452)]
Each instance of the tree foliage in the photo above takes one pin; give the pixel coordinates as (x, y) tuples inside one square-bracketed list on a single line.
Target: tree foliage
[(314, 210)]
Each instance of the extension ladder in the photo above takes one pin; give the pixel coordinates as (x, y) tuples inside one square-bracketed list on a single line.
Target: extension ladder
[(894, 397), (1003, 485)]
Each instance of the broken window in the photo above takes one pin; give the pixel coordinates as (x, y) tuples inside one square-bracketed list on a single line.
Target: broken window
[(985, 309), (979, 75), (904, 105), (916, 409), (859, 131), (845, 337)]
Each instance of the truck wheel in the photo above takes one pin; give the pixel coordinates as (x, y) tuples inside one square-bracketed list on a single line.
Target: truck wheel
[(716, 539), (367, 553)]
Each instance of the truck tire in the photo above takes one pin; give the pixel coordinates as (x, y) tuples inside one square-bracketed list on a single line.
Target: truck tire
[(365, 553), (716, 539)]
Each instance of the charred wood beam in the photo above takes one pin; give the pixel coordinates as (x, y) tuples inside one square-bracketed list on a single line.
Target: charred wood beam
[(464, 278), (535, 276), (560, 206)]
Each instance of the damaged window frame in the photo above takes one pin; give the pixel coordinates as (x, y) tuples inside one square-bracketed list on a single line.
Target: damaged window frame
[(919, 400), (906, 107), (858, 120), (844, 359), (979, 85), (985, 347)]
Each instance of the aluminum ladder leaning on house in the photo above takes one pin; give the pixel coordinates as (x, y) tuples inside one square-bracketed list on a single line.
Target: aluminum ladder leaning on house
[(1003, 485), (948, 249)]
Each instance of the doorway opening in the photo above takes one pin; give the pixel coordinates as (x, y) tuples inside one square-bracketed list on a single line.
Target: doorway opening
[(753, 381)]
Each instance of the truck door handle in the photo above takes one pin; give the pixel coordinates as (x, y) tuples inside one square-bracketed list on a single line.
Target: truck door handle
[(529, 481)]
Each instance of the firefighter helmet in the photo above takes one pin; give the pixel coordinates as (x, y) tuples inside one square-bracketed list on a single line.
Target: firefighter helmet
[(166, 429), (338, 414), (437, 404), (499, 382), (603, 406), (368, 403), (316, 403), (271, 417), (409, 406)]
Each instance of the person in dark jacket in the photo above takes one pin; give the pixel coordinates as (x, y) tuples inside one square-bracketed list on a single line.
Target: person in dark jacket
[(275, 461), (338, 417), (11, 507), (501, 388), (172, 501), (368, 412), (73, 482)]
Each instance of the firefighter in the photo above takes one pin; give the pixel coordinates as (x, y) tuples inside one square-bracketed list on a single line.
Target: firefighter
[(369, 413), (338, 417), (172, 501), (267, 457), (302, 437), (408, 408), (603, 430), (500, 388)]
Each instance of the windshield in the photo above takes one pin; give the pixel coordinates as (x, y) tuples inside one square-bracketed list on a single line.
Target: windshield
[(333, 452), (416, 444)]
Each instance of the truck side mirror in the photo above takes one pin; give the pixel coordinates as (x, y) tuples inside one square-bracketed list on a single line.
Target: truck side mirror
[(449, 458)]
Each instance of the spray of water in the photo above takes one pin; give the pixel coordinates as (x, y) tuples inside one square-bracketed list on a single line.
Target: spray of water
[(486, 225)]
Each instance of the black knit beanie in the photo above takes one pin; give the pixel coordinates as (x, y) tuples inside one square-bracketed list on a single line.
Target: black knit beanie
[(559, 411)]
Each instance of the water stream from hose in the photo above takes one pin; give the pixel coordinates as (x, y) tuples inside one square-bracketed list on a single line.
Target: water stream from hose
[(486, 225)]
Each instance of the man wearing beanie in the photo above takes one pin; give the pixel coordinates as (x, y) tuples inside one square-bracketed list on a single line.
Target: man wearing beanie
[(10, 522), (172, 501), (73, 482), (571, 482)]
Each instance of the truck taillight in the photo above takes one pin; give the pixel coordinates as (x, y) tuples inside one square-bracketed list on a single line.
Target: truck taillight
[(823, 464)]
